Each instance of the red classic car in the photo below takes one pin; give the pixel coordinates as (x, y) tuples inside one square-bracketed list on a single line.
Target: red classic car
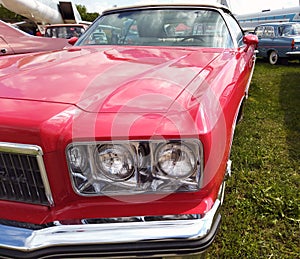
[(15, 41), (121, 147)]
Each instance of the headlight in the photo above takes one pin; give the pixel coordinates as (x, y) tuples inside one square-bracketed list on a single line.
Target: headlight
[(122, 168), (78, 158), (114, 161), (176, 160)]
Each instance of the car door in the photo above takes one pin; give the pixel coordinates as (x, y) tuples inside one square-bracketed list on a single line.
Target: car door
[(267, 40), (5, 49)]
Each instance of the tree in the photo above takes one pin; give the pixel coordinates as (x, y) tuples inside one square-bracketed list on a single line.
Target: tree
[(11, 17), (8, 16), (89, 17)]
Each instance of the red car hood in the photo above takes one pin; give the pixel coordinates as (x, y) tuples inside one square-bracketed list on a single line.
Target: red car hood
[(104, 79)]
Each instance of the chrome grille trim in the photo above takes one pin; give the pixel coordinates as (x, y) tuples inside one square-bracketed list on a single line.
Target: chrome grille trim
[(17, 155)]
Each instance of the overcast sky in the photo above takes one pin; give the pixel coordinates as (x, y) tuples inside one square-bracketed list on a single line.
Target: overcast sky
[(238, 6)]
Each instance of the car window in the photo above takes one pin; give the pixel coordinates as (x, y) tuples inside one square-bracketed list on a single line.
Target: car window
[(291, 30), (259, 31), (269, 32), (296, 28), (167, 27), (66, 32)]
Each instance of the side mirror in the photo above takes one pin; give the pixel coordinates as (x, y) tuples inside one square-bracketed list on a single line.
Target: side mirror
[(72, 40), (250, 40)]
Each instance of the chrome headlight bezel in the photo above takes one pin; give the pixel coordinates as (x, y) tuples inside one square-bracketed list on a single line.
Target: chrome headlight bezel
[(145, 172)]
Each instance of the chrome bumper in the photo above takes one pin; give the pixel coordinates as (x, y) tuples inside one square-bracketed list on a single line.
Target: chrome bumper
[(294, 54), (135, 239)]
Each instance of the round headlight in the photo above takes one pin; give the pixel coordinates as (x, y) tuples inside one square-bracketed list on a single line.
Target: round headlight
[(115, 162), (176, 160), (78, 158)]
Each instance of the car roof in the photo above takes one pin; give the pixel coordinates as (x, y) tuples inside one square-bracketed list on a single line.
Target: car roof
[(168, 5)]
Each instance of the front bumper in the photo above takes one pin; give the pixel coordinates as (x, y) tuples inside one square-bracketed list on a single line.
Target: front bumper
[(113, 240)]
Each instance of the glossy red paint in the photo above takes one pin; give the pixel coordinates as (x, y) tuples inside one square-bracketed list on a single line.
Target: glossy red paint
[(179, 95), (124, 99), (14, 41)]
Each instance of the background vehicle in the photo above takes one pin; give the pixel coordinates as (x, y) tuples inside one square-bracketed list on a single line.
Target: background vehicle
[(129, 147), (279, 41), (251, 20), (66, 31), (14, 41)]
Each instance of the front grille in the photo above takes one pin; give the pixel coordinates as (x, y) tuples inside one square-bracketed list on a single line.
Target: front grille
[(22, 174)]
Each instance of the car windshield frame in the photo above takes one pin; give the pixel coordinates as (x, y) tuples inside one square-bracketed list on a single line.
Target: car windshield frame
[(173, 27)]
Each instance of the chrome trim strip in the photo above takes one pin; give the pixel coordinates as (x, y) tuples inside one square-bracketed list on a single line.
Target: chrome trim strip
[(251, 75), (45, 180), (24, 240), (293, 53), (20, 149), (34, 150)]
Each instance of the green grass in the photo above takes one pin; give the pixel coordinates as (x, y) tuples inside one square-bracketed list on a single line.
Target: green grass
[(260, 214)]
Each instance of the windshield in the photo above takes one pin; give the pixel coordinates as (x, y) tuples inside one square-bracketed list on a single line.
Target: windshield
[(164, 27)]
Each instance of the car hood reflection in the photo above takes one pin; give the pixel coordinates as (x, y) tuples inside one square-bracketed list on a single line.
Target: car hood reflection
[(105, 79)]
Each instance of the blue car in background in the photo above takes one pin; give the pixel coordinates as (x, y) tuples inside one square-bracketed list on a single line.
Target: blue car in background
[(279, 41)]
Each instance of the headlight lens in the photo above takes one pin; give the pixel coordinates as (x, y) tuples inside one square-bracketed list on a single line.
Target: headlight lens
[(78, 158), (176, 160), (122, 168), (114, 161)]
